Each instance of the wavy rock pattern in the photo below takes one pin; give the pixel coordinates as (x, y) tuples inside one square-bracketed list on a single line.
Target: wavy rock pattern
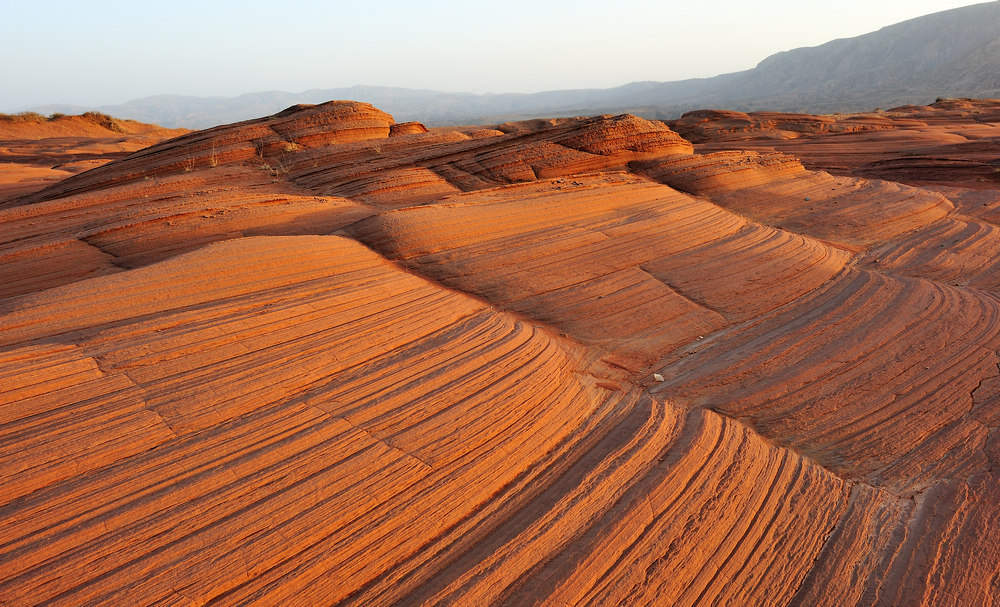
[(56, 242), (206, 365), (951, 142), (613, 260), (321, 358), (777, 190), (206, 426), (414, 170), (951, 250), (808, 379), (267, 139)]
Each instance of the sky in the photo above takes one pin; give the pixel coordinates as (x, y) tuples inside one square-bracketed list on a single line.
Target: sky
[(98, 52)]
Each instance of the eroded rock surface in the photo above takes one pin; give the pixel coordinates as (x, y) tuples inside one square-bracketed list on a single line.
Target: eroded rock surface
[(322, 358), (36, 152)]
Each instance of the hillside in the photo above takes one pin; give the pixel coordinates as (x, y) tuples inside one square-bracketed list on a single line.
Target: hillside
[(36, 151), (323, 357), (948, 54), (952, 53)]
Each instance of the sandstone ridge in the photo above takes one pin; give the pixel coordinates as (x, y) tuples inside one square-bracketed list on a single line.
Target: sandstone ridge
[(325, 358)]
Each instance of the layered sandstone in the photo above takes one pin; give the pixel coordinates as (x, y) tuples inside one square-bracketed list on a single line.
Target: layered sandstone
[(322, 358), (36, 152), (951, 142)]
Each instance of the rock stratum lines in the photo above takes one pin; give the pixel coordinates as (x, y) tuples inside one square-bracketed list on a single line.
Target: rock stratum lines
[(321, 358)]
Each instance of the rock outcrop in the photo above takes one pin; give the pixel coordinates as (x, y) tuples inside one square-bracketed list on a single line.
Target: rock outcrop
[(36, 152), (322, 358)]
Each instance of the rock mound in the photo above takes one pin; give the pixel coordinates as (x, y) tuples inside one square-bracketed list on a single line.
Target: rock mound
[(324, 358)]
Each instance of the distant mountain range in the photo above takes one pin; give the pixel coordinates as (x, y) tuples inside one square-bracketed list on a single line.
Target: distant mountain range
[(954, 53)]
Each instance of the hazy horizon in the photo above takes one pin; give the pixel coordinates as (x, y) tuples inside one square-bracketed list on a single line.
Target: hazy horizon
[(109, 52)]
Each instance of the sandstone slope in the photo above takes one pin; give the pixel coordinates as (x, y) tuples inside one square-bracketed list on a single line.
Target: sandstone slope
[(36, 151), (323, 358)]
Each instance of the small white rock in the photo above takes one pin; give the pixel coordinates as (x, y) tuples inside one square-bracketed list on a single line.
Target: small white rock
[(657, 377)]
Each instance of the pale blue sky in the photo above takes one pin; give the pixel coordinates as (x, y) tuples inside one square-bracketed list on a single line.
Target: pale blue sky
[(104, 52)]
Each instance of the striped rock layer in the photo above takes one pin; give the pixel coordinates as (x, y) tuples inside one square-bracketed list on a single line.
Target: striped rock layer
[(321, 358)]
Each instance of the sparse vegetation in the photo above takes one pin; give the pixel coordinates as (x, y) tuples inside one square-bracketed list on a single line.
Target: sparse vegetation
[(23, 117), (277, 166), (258, 146), (105, 121)]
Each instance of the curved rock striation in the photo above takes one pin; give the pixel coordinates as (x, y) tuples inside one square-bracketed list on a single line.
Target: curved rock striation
[(270, 140), (776, 189), (714, 126), (207, 426), (322, 358), (61, 241), (615, 261), (431, 166), (950, 142), (202, 362), (872, 376), (36, 152), (951, 250)]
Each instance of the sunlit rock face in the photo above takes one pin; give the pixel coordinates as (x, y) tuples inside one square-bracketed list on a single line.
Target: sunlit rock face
[(323, 358)]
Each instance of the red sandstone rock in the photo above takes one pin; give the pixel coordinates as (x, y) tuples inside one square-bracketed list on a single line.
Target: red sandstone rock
[(324, 358), (952, 142), (777, 190), (36, 152)]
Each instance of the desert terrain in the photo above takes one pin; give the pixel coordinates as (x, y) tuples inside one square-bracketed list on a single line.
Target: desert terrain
[(36, 151), (324, 358)]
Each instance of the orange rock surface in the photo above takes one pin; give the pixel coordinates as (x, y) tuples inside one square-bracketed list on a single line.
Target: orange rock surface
[(322, 358), (952, 142), (36, 152)]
